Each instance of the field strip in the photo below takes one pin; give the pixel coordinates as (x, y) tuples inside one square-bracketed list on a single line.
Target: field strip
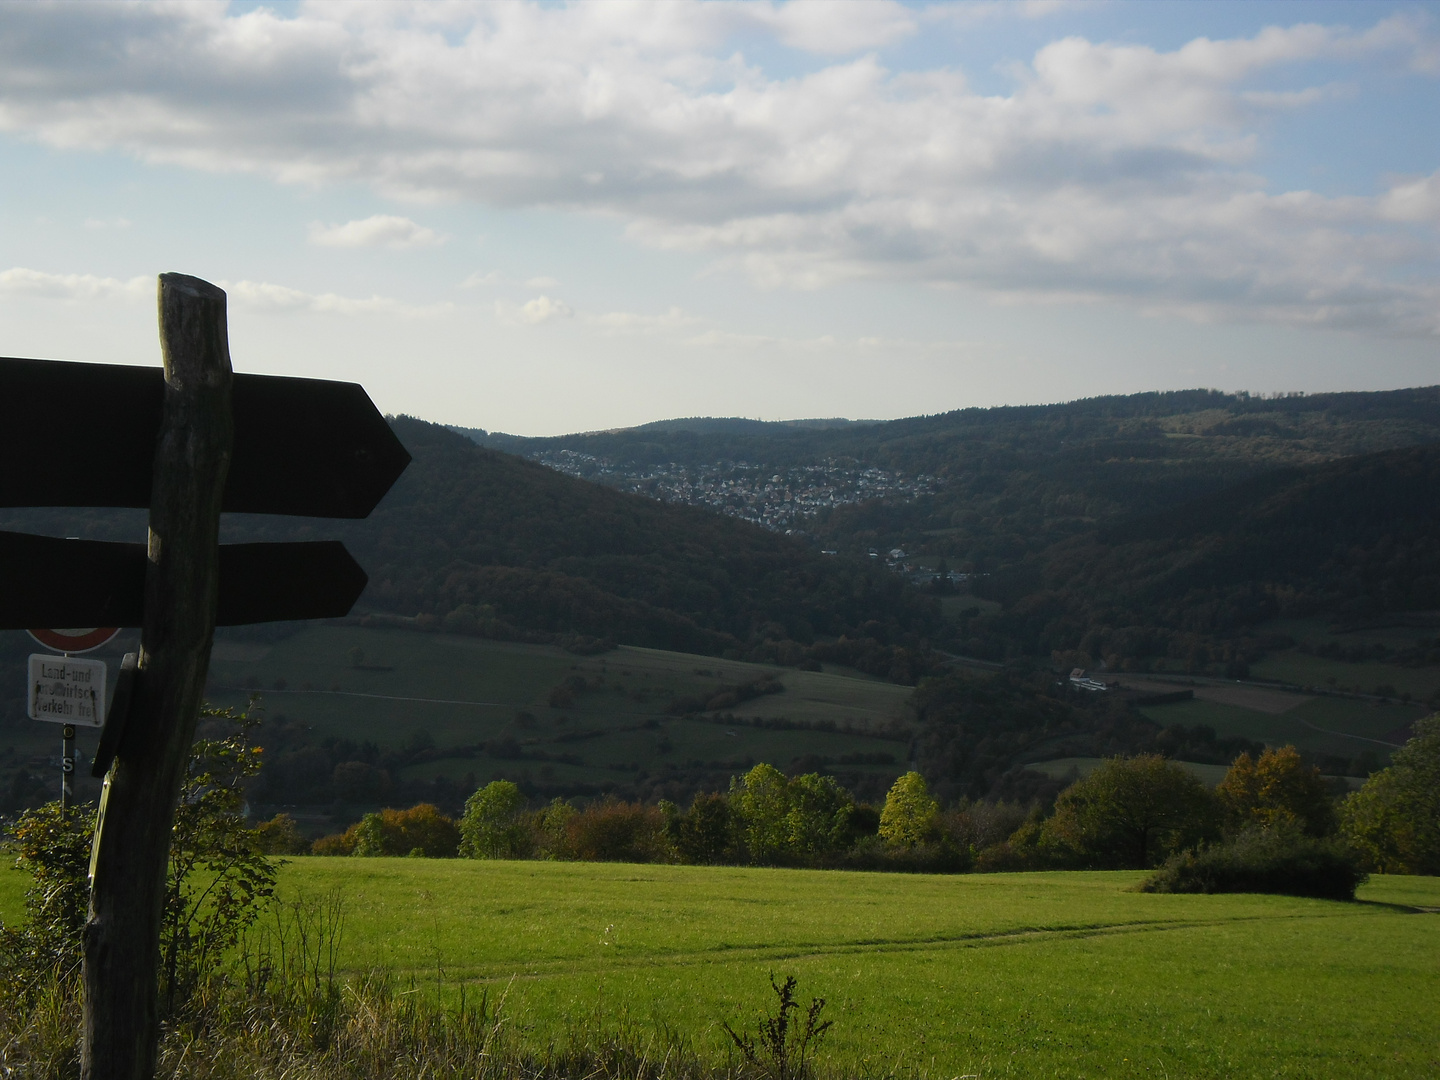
[(377, 697), (802, 951)]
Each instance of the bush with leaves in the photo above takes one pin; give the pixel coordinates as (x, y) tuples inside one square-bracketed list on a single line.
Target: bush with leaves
[(1279, 858), (53, 847), (615, 831), (280, 836), (218, 878), (1394, 820)]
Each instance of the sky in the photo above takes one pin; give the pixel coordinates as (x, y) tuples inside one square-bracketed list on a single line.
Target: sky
[(547, 218)]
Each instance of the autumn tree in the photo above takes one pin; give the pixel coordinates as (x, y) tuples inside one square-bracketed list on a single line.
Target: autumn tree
[(1132, 812), (908, 816), (421, 830), (1278, 788)]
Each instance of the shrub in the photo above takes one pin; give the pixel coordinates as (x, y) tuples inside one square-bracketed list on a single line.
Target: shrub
[(1280, 859), (279, 836), (612, 831), (422, 830), (53, 846)]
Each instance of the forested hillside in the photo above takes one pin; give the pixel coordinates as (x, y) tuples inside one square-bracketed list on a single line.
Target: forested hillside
[(477, 541), (1016, 480), (1124, 529)]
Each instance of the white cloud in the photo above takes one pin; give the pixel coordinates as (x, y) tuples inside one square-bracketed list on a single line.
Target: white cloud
[(629, 322), (541, 282), (544, 309), (381, 230), (1111, 171), (22, 281), (263, 296), (1415, 200)]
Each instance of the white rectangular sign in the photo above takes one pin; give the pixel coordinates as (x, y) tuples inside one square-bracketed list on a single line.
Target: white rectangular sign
[(66, 690)]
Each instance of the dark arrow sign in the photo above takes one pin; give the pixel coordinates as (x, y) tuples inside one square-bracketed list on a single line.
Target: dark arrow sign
[(93, 583), (84, 435)]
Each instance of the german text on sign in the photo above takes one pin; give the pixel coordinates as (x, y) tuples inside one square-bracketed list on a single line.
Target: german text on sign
[(66, 690)]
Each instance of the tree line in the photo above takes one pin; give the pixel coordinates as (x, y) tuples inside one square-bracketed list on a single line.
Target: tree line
[(1272, 821)]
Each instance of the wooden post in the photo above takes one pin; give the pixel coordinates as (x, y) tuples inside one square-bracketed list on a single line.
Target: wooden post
[(192, 458)]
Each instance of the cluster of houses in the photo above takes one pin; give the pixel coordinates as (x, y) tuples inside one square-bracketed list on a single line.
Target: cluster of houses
[(896, 559), (778, 499)]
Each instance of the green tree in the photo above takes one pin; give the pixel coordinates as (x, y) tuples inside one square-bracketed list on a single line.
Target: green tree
[(761, 800), (1279, 788), (703, 834), (492, 826), (550, 830), (908, 816), (1132, 812), (1394, 820), (819, 817)]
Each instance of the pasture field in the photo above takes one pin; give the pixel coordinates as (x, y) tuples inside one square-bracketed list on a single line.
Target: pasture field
[(1344, 727), (1005, 975), (465, 691)]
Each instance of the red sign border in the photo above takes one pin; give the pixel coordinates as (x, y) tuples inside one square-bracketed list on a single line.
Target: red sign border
[(89, 643)]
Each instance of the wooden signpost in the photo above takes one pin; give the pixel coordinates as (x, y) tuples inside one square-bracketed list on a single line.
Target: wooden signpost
[(187, 443)]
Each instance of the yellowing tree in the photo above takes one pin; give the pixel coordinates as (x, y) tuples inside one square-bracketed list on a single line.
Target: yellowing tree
[(1279, 788), (909, 813)]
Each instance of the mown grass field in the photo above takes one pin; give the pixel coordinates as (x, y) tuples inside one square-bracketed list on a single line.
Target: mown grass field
[(1007, 975)]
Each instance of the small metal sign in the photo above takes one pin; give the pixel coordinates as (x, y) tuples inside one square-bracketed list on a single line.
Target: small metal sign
[(77, 640), (66, 690)]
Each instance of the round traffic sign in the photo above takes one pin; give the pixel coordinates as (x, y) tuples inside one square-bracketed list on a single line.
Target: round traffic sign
[(77, 640)]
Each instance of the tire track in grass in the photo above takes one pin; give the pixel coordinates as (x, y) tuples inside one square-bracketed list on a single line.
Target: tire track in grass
[(724, 954)]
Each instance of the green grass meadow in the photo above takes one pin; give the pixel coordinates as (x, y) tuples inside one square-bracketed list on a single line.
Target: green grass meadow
[(1023, 975)]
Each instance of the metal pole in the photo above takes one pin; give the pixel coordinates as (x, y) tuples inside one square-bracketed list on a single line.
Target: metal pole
[(67, 767)]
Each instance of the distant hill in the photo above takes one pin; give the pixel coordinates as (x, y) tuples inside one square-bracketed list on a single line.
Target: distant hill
[(1016, 479), (1345, 540), (1143, 525)]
